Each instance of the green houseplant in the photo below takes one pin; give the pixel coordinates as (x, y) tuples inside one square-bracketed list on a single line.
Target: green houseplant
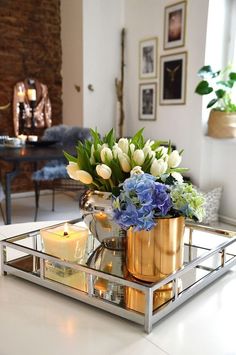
[(219, 85)]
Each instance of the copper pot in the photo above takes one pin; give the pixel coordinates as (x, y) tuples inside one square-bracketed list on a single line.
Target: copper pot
[(155, 254)]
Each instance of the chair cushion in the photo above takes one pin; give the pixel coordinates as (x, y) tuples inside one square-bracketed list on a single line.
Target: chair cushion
[(51, 171), (71, 137)]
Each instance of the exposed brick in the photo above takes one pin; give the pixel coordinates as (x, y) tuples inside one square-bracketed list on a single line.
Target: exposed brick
[(30, 46)]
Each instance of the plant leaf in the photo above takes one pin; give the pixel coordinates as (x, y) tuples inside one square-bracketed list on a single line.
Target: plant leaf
[(203, 88), (211, 103), (232, 76), (70, 157), (220, 93)]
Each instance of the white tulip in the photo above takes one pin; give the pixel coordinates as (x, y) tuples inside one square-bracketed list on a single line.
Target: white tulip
[(123, 144), (106, 154), (164, 152), (116, 150), (137, 170), (178, 177), (72, 168), (149, 143), (84, 177), (104, 171), (149, 152), (158, 167), (124, 162), (174, 159), (92, 159), (139, 157), (132, 148)]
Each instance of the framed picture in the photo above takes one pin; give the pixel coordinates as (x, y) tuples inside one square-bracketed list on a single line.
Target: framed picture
[(148, 58), (174, 25), (147, 101), (173, 79)]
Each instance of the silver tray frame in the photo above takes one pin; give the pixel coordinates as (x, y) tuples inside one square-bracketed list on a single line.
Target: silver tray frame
[(150, 317)]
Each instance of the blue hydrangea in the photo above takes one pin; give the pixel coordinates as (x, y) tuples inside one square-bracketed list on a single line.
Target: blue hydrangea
[(141, 200)]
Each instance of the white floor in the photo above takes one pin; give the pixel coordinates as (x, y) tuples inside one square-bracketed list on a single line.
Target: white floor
[(35, 320), (23, 208)]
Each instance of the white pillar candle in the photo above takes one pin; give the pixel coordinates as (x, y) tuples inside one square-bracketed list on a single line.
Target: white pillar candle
[(21, 96), (31, 94), (66, 241)]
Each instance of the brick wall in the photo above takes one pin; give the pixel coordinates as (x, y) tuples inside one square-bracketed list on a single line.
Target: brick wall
[(30, 46)]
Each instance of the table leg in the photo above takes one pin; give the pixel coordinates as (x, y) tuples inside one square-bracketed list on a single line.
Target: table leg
[(8, 178)]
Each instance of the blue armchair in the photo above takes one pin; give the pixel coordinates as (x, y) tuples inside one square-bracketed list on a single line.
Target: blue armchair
[(55, 172)]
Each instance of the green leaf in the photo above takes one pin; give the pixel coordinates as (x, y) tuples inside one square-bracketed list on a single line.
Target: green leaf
[(206, 69), (207, 72), (232, 76), (110, 138), (203, 88), (138, 138), (212, 102), (220, 93), (70, 157)]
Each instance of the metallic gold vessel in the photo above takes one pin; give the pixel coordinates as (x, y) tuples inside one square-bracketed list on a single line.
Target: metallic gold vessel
[(155, 254)]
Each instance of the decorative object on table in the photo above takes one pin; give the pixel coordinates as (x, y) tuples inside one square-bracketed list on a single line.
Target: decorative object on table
[(152, 210), (70, 243), (145, 170), (112, 262), (148, 58), (147, 101), (31, 106), (222, 119), (173, 79), (174, 25)]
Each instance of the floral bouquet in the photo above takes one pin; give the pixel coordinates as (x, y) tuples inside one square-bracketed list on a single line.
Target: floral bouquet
[(143, 177)]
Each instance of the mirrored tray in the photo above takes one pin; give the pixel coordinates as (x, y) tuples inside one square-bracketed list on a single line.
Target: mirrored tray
[(102, 280)]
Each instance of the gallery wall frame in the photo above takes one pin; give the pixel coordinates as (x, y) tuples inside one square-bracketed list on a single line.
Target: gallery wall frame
[(147, 101), (173, 78), (148, 50), (175, 25)]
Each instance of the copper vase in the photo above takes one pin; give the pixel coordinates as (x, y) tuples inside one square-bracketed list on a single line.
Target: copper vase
[(155, 254)]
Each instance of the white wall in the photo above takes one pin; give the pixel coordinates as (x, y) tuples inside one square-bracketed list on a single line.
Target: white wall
[(180, 123), (102, 25), (91, 31), (72, 61)]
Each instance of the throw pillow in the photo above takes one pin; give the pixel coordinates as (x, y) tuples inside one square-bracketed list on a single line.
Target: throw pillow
[(212, 204)]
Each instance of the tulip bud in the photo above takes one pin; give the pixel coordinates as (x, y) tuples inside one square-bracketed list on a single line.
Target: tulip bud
[(84, 177), (104, 171), (123, 144), (72, 168), (124, 162), (174, 159), (138, 157), (106, 154), (158, 167), (116, 150), (132, 148), (137, 170)]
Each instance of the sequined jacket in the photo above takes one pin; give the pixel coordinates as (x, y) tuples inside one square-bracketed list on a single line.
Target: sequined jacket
[(42, 112)]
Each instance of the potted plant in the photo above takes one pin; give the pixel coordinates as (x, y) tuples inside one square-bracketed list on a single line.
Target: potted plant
[(222, 119)]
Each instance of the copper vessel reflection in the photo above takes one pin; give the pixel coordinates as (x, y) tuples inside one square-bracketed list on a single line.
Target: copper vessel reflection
[(155, 254), (135, 299)]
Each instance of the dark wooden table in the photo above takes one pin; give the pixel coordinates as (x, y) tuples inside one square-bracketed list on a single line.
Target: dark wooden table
[(16, 156)]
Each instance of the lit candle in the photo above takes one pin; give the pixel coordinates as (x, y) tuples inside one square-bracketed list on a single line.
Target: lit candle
[(21, 95), (67, 242), (103, 219), (31, 94), (23, 138)]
